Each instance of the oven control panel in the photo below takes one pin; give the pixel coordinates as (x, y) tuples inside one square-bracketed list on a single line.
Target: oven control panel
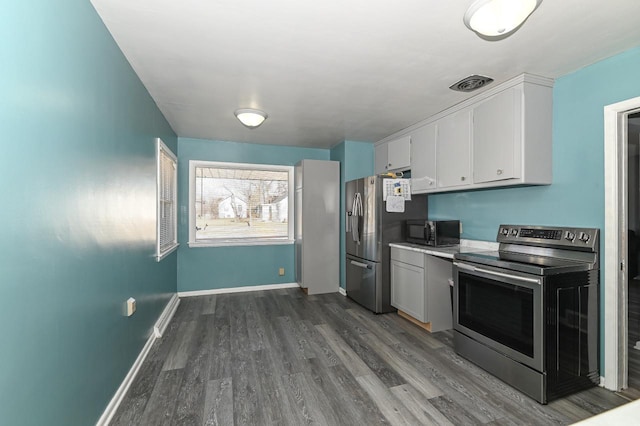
[(549, 236)]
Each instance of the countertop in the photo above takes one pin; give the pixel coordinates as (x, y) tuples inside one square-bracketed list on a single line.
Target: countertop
[(465, 246)]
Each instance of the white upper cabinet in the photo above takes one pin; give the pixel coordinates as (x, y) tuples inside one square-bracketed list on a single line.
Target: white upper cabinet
[(496, 130), (501, 137), (512, 137), (453, 150), (393, 156), (423, 159)]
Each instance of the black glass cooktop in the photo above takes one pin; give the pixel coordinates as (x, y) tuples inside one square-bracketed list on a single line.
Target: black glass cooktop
[(532, 264)]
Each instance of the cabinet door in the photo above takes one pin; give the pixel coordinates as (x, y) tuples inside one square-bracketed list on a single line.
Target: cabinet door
[(407, 289), (423, 159), (438, 297), (453, 150), (495, 135), (399, 153), (381, 161)]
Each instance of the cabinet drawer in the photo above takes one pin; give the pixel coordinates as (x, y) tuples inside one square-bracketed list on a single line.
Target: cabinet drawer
[(414, 258)]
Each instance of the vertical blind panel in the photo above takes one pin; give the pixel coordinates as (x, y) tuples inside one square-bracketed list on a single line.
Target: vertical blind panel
[(167, 201)]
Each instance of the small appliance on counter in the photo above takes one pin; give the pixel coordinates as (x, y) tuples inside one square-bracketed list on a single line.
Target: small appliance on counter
[(434, 233)]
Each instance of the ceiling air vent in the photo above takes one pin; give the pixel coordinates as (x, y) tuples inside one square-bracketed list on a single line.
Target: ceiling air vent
[(471, 83)]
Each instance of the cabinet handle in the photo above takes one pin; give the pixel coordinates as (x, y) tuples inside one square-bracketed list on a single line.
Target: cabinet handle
[(463, 178), (499, 172)]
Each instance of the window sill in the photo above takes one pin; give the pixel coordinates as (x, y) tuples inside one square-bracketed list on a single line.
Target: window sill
[(166, 253), (247, 242)]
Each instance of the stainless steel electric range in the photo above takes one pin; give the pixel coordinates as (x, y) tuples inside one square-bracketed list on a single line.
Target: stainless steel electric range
[(529, 313)]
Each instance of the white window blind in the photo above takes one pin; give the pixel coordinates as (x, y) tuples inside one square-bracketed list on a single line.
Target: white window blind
[(242, 204), (167, 198)]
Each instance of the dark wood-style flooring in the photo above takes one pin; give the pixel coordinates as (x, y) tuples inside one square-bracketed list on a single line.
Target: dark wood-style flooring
[(281, 357)]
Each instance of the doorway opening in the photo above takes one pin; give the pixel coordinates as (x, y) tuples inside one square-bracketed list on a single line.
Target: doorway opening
[(621, 314), (633, 253)]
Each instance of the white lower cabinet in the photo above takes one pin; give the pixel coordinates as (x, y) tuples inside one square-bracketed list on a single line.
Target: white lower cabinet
[(420, 288), (407, 282)]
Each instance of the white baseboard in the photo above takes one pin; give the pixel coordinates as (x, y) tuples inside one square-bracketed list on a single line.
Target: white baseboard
[(160, 326), (342, 291), (166, 315), (237, 289)]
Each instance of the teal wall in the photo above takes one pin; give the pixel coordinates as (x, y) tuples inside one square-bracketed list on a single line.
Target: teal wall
[(77, 180), (206, 268), (356, 161), (576, 197)]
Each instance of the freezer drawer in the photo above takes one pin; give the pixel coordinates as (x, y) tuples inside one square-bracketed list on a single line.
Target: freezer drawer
[(364, 280)]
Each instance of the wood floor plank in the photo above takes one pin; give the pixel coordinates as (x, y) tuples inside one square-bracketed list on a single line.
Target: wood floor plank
[(273, 399), (255, 328), (349, 358), (419, 406), (373, 326), (132, 407), (161, 406), (355, 397), (318, 344), (190, 400), (209, 304), (220, 356), (454, 412), (408, 372), (307, 401), (218, 406), (388, 404), (298, 342), (178, 356)]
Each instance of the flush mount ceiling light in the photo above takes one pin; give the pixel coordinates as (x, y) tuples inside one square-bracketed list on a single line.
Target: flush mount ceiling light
[(251, 118), (495, 18)]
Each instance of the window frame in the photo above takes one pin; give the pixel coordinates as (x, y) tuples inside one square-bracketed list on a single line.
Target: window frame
[(161, 149), (220, 242)]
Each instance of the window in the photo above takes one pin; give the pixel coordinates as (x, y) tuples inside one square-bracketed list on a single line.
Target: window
[(239, 204), (167, 201)]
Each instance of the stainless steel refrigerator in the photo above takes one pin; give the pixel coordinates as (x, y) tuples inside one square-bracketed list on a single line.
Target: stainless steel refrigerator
[(369, 230)]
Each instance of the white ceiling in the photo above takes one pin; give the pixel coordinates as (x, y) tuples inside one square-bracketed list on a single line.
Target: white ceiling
[(334, 70)]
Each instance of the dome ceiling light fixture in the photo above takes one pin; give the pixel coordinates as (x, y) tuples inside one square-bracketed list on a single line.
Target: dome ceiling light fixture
[(251, 118), (497, 18)]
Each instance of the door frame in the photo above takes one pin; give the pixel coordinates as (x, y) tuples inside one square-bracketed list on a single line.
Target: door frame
[(615, 242)]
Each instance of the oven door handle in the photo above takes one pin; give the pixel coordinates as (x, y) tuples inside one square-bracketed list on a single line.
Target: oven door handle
[(497, 274)]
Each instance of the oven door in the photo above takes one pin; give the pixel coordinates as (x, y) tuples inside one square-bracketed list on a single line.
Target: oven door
[(501, 309)]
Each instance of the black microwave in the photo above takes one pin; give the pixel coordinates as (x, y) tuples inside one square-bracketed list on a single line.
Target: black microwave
[(436, 233)]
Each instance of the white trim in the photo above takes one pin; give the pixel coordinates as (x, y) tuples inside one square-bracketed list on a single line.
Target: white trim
[(342, 291), (236, 289), (112, 407), (242, 242), (615, 318), (166, 315)]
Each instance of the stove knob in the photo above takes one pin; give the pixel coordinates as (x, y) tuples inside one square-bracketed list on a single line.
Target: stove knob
[(584, 237), (504, 231), (570, 236), (514, 232)]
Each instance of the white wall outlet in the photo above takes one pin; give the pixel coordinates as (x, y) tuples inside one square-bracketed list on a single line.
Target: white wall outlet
[(131, 306), (460, 227), (281, 272)]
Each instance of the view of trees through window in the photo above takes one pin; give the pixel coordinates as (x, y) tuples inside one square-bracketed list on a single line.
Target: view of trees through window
[(241, 203)]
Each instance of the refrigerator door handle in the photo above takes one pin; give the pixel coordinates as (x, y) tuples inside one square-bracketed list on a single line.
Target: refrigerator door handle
[(347, 222), (361, 265)]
